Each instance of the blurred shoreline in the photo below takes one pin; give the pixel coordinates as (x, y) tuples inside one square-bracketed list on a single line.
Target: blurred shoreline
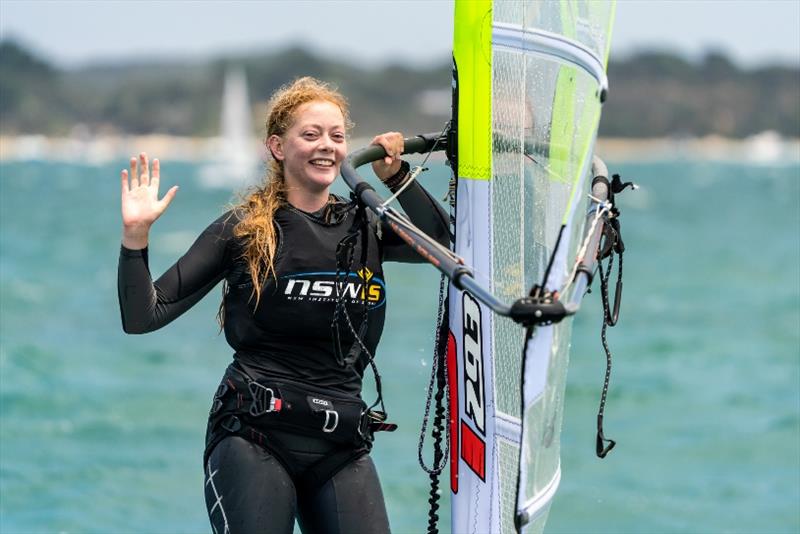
[(764, 148)]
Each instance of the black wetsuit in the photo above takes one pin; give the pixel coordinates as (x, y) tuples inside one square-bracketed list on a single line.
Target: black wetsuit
[(257, 484)]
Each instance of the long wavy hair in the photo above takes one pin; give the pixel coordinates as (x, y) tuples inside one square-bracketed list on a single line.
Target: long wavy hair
[(256, 212)]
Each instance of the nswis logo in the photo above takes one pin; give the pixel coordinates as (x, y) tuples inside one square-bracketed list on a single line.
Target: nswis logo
[(322, 287)]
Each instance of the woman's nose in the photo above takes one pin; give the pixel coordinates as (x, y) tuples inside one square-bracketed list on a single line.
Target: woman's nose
[(326, 143)]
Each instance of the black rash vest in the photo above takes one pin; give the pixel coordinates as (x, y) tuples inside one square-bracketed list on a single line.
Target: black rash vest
[(288, 335)]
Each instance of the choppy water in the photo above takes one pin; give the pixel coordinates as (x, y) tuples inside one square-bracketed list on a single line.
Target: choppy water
[(103, 432)]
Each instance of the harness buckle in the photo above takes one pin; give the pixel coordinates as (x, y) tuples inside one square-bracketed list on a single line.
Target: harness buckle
[(364, 427), (331, 421), (264, 400), (232, 424), (217, 404), (374, 421)]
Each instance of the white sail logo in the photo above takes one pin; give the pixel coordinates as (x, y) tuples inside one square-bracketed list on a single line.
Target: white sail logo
[(473, 362)]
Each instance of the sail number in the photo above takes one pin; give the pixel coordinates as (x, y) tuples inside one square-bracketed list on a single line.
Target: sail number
[(473, 362)]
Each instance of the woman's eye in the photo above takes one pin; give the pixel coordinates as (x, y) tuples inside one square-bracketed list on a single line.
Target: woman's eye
[(310, 135), (338, 137)]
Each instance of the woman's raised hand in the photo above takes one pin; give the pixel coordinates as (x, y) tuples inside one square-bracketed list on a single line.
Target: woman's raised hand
[(140, 203), (392, 142)]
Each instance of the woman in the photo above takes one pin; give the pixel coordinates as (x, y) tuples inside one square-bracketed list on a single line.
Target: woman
[(303, 307)]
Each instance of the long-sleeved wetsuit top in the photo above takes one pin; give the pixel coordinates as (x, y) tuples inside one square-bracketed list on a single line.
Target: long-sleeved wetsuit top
[(289, 333)]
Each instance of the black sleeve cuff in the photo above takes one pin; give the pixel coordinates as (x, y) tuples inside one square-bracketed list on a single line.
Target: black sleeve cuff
[(132, 253), (398, 179)]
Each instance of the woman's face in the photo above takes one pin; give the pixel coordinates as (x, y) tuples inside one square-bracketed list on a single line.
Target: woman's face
[(313, 148)]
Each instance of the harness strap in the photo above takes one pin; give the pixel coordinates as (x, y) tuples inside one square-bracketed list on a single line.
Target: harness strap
[(344, 264), (249, 408), (345, 252)]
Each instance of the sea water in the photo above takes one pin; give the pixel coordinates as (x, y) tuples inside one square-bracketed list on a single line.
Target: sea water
[(103, 432)]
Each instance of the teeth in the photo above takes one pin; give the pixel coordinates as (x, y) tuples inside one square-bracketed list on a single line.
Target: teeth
[(323, 162)]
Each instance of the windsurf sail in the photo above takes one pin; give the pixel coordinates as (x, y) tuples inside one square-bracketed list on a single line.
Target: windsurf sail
[(531, 204), (529, 81)]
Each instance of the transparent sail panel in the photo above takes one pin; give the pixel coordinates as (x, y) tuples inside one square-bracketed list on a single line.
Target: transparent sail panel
[(534, 173), (509, 460), (511, 12), (561, 140), (508, 203), (585, 22), (545, 113)]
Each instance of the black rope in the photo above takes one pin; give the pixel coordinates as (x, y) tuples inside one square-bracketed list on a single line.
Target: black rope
[(612, 244), (604, 445), (345, 248), (540, 291), (345, 256), (439, 381)]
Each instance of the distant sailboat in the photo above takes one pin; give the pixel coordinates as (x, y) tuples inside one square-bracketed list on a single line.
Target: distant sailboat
[(236, 159)]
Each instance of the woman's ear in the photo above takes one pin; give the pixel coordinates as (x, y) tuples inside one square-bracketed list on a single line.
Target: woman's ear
[(275, 146)]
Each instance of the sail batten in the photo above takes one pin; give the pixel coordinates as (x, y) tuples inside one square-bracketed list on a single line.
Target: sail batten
[(514, 38)]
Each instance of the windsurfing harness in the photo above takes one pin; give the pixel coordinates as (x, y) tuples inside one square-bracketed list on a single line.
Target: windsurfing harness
[(251, 408)]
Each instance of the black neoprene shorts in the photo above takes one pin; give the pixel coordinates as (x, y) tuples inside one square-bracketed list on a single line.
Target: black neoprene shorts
[(248, 491)]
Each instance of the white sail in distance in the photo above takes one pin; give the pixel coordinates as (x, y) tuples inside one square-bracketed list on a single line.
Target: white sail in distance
[(235, 160)]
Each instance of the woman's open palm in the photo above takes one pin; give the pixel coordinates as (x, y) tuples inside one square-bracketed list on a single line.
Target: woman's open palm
[(140, 203)]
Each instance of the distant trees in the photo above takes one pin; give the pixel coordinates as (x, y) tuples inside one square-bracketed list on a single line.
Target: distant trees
[(31, 97), (655, 94), (652, 94)]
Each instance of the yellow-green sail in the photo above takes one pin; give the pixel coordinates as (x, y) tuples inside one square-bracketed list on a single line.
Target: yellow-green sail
[(529, 77)]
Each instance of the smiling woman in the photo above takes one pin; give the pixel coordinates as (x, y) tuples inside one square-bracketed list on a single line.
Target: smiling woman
[(311, 152), (288, 435)]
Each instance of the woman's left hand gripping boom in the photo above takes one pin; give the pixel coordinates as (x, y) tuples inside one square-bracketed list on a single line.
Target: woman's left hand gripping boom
[(392, 143), (140, 203)]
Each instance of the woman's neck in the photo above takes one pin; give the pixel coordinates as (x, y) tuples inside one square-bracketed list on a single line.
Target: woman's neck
[(306, 200)]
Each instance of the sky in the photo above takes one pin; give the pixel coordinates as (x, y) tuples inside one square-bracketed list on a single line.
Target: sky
[(73, 33)]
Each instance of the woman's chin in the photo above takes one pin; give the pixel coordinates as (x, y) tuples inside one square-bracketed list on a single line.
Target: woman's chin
[(323, 181), (317, 181)]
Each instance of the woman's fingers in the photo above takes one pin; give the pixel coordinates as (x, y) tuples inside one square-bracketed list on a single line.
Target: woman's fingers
[(156, 174), (392, 143), (140, 203), (144, 177), (140, 173), (168, 197), (134, 173), (380, 140)]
